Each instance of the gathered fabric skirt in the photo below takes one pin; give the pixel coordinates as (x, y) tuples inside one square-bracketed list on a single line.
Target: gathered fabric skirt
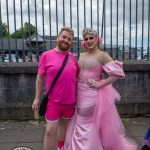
[(96, 124)]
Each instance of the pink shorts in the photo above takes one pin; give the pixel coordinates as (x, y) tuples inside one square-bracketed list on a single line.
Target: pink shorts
[(56, 111)]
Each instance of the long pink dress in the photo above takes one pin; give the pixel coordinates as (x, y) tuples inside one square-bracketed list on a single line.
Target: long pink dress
[(96, 124)]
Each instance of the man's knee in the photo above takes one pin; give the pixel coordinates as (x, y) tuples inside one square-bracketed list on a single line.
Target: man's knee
[(51, 129)]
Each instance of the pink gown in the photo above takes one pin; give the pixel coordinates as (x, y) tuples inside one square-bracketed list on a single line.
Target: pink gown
[(96, 124)]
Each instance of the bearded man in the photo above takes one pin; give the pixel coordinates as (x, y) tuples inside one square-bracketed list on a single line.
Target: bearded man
[(62, 98)]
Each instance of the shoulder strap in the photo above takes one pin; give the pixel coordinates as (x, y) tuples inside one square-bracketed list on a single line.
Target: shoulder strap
[(59, 73)]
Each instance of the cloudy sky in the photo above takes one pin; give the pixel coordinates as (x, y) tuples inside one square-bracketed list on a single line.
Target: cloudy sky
[(80, 20)]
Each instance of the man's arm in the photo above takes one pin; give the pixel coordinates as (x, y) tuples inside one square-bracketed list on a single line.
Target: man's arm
[(38, 86)]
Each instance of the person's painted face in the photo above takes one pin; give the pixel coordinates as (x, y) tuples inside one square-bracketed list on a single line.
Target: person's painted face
[(90, 41), (64, 41)]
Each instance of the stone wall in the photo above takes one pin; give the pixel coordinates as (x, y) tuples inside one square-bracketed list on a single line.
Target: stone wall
[(17, 89)]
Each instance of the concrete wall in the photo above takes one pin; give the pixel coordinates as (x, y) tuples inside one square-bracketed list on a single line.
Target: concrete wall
[(17, 89)]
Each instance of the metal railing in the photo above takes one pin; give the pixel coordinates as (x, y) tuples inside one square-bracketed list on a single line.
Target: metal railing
[(29, 27)]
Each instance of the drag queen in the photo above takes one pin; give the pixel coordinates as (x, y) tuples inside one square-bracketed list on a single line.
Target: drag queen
[(96, 124)]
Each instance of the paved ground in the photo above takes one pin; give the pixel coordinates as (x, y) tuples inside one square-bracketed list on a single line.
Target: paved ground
[(30, 133)]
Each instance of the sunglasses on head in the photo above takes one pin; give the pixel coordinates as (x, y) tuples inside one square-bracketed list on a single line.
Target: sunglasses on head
[(90, 38)]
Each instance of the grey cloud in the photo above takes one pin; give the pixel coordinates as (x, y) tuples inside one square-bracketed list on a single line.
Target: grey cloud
[(81, 15)]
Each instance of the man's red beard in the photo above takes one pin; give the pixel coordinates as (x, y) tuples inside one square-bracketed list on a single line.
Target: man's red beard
[(61, 47)]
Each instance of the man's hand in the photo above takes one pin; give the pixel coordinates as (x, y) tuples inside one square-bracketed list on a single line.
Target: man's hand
[(39, 83), (36, 104)]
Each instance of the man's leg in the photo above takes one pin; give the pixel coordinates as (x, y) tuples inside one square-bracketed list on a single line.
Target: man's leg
[(50, 135), (62, 128)]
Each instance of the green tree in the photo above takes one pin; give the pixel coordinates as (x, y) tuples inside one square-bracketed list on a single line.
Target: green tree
[(24, 31), (18, 34), (4, 29)]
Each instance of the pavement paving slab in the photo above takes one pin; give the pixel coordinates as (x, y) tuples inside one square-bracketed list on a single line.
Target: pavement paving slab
[(10, 136), (30, 133)]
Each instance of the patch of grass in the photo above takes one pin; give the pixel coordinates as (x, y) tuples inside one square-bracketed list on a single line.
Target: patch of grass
[(125, 120), (27, 122)]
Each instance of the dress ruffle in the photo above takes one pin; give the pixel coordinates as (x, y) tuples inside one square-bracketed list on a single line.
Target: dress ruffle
[(114, 68), (108, 123)]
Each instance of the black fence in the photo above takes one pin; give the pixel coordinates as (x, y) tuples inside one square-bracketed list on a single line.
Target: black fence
[(30, 27)]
